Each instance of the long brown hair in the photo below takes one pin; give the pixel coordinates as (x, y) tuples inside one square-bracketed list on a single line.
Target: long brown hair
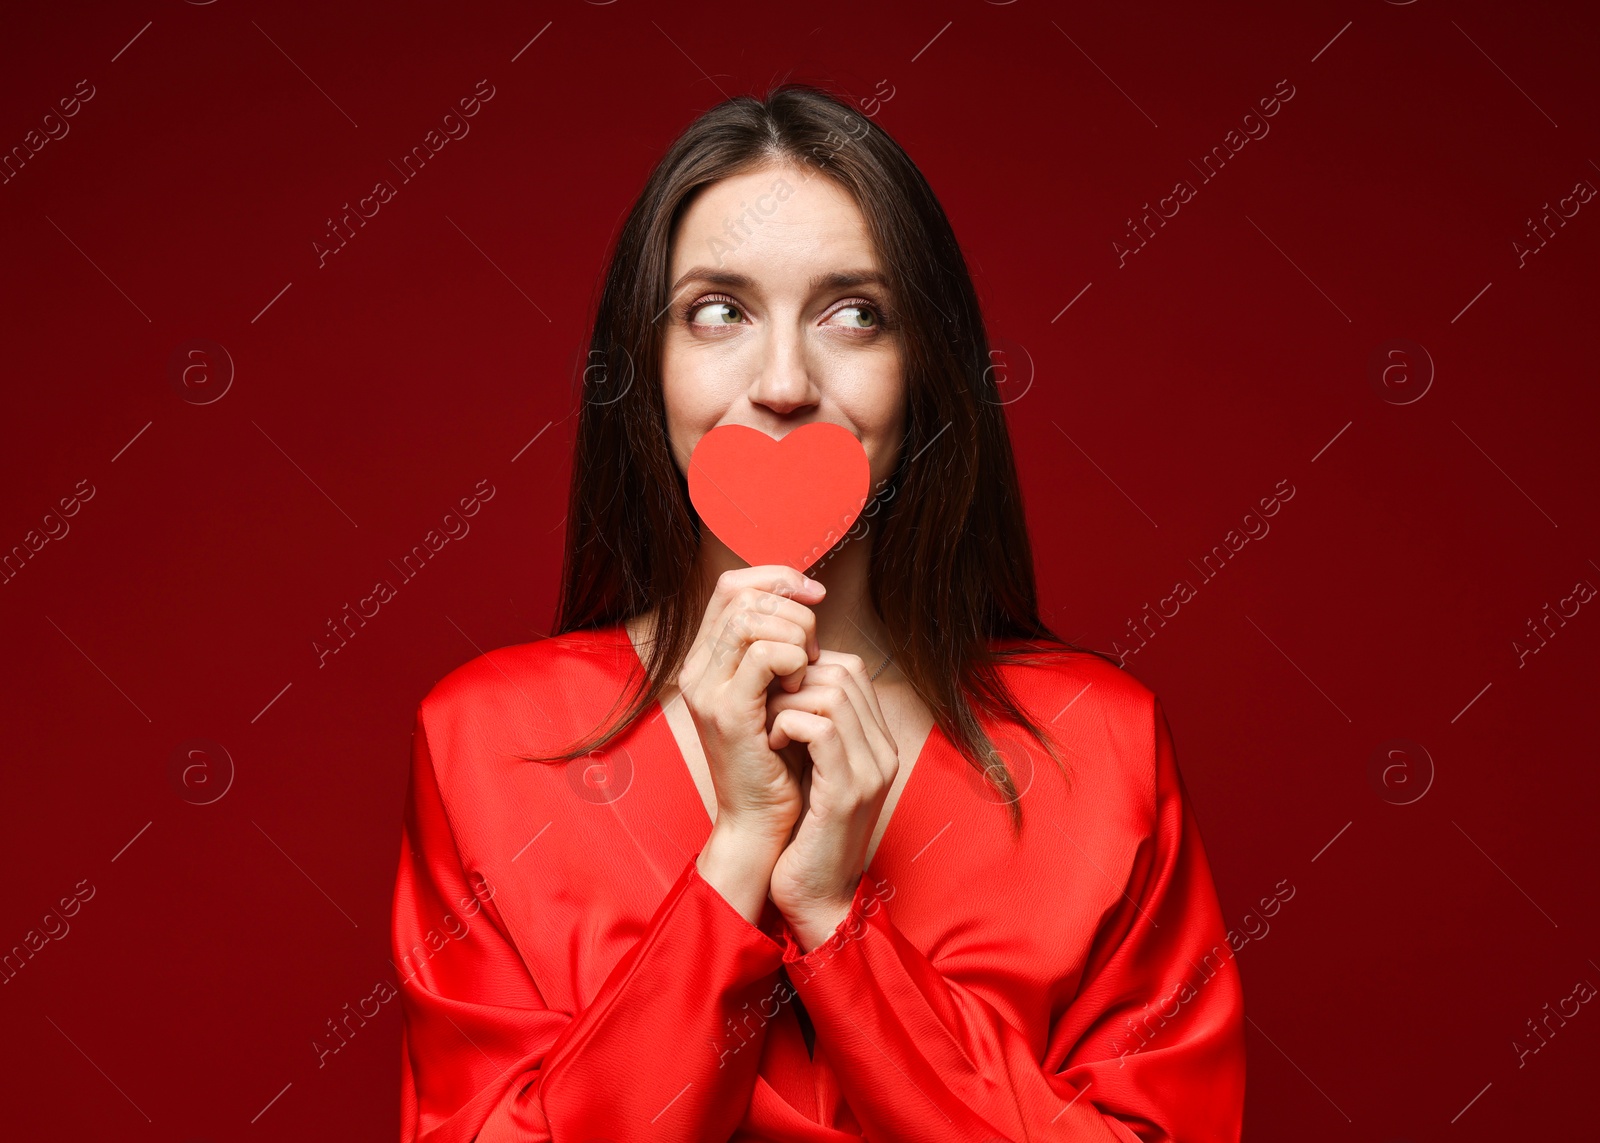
[(950, 565)]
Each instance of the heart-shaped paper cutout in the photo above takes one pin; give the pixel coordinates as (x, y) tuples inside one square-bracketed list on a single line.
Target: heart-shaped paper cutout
[(782, 501)]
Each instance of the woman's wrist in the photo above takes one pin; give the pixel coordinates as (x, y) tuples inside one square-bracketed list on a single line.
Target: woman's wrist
[(737, 862), (815, 924)]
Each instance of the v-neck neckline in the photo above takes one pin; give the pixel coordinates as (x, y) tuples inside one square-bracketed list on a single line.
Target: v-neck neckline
[(686, 777)]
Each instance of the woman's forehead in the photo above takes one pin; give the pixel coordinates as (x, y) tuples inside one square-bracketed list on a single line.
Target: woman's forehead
[(772, 222)]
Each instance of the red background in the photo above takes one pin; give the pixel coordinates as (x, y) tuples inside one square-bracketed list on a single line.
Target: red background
[(370, 395)]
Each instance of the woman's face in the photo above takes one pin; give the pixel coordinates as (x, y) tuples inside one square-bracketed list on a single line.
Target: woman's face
[(779, 317)]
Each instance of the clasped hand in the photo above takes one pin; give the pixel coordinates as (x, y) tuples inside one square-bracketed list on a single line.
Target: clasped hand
[(799, 751)]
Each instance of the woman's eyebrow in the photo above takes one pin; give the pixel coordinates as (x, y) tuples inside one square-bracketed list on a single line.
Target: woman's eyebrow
[(845, 279), (837, 280)]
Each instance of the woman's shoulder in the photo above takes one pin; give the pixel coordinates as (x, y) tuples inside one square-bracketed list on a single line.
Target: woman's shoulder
[(542, 688), (1044, 672), (1101, 712)]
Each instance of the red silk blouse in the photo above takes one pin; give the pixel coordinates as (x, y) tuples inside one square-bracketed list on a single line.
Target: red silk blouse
[(567, 975)]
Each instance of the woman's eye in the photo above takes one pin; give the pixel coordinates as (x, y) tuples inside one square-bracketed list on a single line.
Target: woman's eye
[(716, 313), (855, 317)]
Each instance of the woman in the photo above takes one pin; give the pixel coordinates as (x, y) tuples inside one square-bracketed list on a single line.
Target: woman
[(740, 853)]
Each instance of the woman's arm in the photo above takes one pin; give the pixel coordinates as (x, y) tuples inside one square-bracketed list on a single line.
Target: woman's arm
[(1150, 1051), (654, 1054)]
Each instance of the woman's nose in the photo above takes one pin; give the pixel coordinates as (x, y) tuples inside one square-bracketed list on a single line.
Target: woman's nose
[(783, 381)]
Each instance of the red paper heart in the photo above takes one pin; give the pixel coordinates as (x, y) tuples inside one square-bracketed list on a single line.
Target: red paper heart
[(779, 501)]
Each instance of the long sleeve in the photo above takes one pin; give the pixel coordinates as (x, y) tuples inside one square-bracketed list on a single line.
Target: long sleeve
[(650, 1056), (1150, 1050)]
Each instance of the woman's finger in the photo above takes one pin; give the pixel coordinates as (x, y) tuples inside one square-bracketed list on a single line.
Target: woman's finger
[(743, 628), (779, 580), (836, 675), (863, 681), (762, 661), (818, 732), (863, 766)]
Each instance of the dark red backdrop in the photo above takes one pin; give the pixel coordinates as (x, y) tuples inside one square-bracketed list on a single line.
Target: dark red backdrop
[(1441, 498)]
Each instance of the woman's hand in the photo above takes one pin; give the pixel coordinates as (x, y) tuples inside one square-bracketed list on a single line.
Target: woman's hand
[(756, 629), (854, 759)]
